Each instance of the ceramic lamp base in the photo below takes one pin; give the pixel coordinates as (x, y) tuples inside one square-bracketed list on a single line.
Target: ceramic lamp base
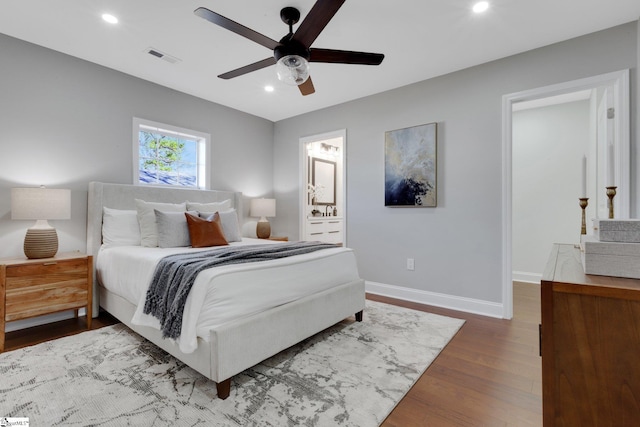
[(40, 243), (263, 229)]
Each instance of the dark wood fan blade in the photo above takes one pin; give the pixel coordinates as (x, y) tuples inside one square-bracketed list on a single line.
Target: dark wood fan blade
[(239, 29), (345, 57), (315, 21), (307, 88), (248, 68)]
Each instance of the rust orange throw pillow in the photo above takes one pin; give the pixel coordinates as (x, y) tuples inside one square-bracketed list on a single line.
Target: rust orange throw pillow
[(205, 232)]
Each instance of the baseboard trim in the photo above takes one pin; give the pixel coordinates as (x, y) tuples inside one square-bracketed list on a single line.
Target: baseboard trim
[(469, 305), (524, 276)]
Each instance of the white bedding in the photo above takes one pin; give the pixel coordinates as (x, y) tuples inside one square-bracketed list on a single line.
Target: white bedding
[(227, 292)]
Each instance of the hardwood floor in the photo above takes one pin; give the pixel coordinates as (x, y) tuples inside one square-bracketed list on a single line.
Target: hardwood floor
[(37, 334), (488, 375)]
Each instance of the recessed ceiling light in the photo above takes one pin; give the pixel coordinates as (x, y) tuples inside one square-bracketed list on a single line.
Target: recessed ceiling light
[(481, 6), (109, 18), (269, 88)]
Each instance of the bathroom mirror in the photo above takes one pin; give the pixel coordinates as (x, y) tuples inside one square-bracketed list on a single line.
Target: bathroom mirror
[(323, 173)]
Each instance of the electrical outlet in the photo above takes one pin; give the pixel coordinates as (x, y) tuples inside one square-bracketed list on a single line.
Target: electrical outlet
[(410, 264)]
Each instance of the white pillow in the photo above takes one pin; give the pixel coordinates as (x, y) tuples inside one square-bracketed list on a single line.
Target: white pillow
[(147, 219), (120, 227), (229, 221), (173, 230), (209, 207)]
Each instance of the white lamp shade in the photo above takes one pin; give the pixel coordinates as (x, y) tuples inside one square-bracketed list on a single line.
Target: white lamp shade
[(263, 207), (40, 203)]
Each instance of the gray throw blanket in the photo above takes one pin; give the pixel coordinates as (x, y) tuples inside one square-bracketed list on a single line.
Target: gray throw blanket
[(175, 274)]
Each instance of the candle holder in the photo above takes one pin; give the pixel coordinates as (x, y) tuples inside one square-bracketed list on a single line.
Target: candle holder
[(611, 193), (584, 201)]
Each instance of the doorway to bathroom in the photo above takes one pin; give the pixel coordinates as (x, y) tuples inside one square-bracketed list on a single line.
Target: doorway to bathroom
[(323, 188)]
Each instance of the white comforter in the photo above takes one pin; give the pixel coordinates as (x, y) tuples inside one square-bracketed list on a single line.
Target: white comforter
[(228, 292)]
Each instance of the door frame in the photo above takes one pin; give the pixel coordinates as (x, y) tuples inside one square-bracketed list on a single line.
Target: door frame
[(619, 80), (302, 197)]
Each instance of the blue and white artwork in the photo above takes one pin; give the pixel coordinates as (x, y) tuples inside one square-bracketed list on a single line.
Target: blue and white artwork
[(410, 166)]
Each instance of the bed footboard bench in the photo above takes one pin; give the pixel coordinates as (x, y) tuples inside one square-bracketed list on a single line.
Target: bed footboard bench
[(243, 343)]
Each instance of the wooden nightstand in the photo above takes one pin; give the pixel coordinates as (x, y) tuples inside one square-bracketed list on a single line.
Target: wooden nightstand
[(34, 287), (279, 238)]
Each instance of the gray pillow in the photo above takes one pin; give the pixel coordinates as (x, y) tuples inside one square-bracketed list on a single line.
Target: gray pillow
[(173, 231), (147, 219), (230, 226)]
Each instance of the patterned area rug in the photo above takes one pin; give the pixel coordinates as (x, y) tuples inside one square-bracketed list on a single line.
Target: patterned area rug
[(352, 374)]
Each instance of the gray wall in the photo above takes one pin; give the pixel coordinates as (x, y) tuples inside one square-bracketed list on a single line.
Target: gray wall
[(548, 145), (457, 246), (65, 122)]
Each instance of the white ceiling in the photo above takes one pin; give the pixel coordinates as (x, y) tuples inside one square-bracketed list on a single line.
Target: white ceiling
[(420, 39)]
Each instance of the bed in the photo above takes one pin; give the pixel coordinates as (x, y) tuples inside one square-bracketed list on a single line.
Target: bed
[(221, 345)]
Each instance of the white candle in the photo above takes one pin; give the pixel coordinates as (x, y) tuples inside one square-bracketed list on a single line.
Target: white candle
[(583, 193), (610, 166)]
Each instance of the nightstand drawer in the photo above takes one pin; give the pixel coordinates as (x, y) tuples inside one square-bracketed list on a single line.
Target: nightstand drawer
[(37, 300), (56, 273)]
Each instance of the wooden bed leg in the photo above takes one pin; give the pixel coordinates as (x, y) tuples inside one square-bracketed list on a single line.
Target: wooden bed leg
[(224, 388), (359, 316)]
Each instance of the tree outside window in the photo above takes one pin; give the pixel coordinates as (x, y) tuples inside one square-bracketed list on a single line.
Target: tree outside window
[(170, 157), (167, 160)]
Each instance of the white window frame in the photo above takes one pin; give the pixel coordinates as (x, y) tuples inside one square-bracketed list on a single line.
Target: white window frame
[(204, 150)]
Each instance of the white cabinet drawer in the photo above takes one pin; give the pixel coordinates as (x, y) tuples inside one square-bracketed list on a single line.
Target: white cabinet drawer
[(333, 237), (324, 230), (333, 226), (315, 227)]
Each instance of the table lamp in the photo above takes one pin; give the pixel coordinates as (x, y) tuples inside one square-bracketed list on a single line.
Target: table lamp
[(263, 208), (41, 204)]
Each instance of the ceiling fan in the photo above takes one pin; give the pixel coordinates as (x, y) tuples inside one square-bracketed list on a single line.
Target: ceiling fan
[(293, 52)]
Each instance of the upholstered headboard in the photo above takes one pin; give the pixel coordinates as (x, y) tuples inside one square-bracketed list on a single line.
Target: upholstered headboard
[(122, 196)]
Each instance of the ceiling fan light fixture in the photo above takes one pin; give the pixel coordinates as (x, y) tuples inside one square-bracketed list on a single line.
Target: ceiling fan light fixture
[(292, 69)]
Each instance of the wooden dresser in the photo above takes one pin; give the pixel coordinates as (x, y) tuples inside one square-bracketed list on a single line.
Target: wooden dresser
[(590, 345), (33, 287)]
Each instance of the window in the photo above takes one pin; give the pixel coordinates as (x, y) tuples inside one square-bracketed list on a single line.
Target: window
[(169, 155)]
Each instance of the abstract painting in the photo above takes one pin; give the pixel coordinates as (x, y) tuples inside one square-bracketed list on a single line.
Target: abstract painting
[(410, 166)]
